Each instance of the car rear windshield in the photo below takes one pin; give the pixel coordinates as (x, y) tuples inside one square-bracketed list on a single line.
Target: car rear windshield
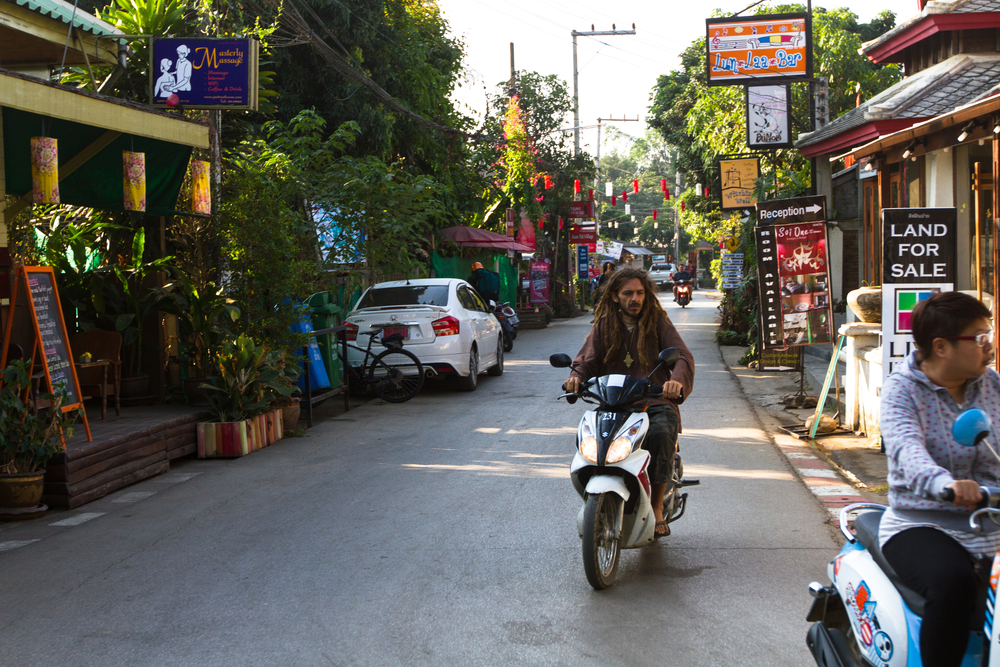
[(407, 295), (661, 267)]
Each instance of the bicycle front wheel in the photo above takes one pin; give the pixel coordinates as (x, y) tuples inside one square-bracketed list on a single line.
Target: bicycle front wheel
[(396, 375)]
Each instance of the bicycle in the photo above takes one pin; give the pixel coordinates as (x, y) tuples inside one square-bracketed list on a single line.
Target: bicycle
[(395, 374)]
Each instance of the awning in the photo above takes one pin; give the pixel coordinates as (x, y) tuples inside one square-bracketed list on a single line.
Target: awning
[(637, 250), (93, 131), (475, 237)]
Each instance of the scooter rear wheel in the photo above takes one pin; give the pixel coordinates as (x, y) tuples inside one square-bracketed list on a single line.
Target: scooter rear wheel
[(602, 522)]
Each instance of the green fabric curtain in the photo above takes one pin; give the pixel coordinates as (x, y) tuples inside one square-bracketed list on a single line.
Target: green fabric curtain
[(98, 183), (461, 267)]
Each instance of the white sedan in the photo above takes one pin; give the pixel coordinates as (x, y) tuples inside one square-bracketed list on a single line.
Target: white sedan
[(442, 320)]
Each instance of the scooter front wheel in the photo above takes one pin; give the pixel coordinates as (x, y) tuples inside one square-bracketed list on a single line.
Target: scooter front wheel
[(602, 523)]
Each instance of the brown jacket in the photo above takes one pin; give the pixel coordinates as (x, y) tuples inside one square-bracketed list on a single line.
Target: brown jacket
[(589, 362)]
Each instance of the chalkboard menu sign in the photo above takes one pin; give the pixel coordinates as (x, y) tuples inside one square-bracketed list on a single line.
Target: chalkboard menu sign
[(52, 334), (37, 285)]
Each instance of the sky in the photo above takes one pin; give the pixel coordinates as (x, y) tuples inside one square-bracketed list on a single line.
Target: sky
[(616, 74)]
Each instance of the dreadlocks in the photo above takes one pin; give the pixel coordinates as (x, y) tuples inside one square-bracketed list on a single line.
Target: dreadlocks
[(648, 321)]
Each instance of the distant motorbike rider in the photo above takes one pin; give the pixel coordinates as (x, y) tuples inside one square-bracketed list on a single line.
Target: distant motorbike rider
[(630, 328), (681, 275)]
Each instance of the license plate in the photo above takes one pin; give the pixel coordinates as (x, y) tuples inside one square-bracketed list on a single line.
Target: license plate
[(392, 331)]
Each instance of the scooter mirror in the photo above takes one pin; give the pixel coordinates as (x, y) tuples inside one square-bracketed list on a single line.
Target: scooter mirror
[(560, 361), (971, 427), (669, 357)]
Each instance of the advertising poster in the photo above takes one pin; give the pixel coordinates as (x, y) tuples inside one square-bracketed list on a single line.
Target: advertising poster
[(732, 269), (738, 177), (204, 73), (538, 276), (918, 261), (769, 116), (803, 274), (759, 49), (768, 285), (582, 261)]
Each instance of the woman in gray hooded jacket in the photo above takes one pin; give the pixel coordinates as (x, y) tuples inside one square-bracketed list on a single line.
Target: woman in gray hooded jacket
[(928, 542)]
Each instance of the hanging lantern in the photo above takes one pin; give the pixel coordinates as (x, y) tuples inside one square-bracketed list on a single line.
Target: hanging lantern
[(613, 202), (576, 187), (656, 225), (628, 208), (706, 192), (616, 224), (683, 205), (624, 195), (663, 185), (666, 194), (654, 214), (590, 194), (699, 190), (548, 182), (134, 180), (560, 223), (607, 189), (635, 186), (201, 188), (44, 170), (541, 222)]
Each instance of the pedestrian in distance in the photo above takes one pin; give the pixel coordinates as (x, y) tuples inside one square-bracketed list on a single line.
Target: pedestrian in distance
[(485, 282), (630, 330)]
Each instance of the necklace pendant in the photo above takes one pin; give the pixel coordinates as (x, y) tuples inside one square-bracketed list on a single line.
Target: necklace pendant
[(628, 360)]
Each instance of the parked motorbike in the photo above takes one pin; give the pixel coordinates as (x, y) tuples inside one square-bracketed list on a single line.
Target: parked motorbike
[(682, 289), (609, 469), (866, 616), (508, 320)]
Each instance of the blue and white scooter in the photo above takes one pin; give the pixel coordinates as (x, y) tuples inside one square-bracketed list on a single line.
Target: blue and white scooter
[(866, 616)]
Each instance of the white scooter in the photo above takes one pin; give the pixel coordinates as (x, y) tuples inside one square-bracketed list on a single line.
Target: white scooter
[(866, 616), (609, 469)]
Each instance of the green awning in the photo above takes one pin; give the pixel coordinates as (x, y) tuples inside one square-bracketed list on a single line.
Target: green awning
[(98, 183)]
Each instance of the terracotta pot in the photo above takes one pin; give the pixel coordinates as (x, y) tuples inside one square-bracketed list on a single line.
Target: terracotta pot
[(21, 495), (866, 303), (290, 414)]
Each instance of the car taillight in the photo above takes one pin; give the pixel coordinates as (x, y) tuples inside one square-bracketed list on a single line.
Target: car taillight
[(352, 331), (446, 326)]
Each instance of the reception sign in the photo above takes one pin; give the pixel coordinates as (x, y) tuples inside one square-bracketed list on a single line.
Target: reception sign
[(772, 48), (204, 73), (918, 261)]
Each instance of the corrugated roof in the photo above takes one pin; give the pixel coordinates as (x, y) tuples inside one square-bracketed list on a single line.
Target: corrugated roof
[(958, 81), (63, 11)]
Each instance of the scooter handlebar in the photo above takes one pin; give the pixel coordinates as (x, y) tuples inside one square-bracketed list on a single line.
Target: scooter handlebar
[(991, 497)]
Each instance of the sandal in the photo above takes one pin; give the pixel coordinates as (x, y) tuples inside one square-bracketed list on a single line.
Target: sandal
[(661, 524)]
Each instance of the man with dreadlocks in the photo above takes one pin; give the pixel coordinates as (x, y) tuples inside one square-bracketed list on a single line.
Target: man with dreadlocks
[(630, 328)]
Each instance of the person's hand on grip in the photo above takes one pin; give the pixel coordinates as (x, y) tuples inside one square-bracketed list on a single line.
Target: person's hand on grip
[(672, 389), (967, 493), (572, 385)]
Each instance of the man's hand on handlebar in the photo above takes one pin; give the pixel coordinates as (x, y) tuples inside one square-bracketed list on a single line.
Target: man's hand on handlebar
[(672, 389), (572, 385), (967, 493)]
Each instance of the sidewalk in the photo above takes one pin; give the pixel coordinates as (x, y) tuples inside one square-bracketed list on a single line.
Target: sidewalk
[(840, 469)]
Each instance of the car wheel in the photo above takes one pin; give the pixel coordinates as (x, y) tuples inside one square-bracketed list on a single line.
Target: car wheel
[(470, 382), (496, 370)]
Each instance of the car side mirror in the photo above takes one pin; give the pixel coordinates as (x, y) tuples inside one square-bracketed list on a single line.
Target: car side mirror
[(669, 357), (560, 361)]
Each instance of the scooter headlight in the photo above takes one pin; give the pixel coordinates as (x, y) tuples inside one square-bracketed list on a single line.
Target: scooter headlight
[(588, 448), (621, 446)]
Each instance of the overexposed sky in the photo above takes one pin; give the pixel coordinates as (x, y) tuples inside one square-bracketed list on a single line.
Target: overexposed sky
[(616, 74)]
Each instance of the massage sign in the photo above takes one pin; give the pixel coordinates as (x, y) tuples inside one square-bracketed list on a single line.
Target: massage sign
[(793, 272), (918, 261)]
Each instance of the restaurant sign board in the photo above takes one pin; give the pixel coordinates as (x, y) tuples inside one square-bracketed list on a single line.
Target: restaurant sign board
[(768, 48)]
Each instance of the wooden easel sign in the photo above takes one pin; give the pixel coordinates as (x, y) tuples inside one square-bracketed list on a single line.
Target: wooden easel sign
[(38, 283)]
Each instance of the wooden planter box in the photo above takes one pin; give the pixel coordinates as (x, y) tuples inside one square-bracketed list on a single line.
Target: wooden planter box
[(231, 439)]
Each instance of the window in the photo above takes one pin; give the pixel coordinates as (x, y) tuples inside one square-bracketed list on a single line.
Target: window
[(406, 295)]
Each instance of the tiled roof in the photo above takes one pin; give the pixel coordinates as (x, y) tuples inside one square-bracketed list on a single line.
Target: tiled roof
[(973, 6), (63, 11), (958, 81)]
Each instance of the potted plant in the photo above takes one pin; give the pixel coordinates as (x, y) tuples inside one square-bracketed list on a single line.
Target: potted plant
[(242, 395), (27, 442), (288, 373), (203, 316)]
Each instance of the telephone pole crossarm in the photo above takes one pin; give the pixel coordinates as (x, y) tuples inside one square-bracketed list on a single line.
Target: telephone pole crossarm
[(576, 86)]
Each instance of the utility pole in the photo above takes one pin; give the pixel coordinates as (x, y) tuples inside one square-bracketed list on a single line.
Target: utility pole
[(677, 210), (512, 88), (597, 161), (576, 89)]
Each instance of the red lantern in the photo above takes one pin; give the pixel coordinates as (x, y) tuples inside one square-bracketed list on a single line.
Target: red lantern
[(654, 214), (663, 185), (590, 194), (624, 195), (548, 182), (635, 185), (683, 205), (706, 192), (560, 219), (576, 187), (666, 194), (613, 202), (541, 223)]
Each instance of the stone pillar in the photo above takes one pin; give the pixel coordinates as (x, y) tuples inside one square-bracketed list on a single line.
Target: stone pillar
[(861, 338)]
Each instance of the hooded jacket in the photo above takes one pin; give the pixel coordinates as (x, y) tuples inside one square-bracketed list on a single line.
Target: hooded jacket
[(916, 421)]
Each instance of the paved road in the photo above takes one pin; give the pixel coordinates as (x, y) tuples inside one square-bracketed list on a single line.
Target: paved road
[(436, 532)]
